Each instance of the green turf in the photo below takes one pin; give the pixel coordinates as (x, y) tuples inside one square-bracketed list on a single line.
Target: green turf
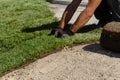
[(24, 29)]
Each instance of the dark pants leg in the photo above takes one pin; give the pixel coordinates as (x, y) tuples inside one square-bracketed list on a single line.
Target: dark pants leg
[(103, 11), (115, 9)]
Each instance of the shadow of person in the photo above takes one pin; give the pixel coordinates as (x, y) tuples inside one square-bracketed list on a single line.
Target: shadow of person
[(85, 28), (88, 28), (96, 48), (39, 28), (52, 25)]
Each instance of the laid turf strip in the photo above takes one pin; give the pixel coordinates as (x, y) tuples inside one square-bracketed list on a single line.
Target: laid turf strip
[(24, 29)]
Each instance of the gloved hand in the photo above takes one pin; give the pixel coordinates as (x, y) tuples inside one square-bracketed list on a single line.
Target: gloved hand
[(64, 33), (55, 31), (60, 33)]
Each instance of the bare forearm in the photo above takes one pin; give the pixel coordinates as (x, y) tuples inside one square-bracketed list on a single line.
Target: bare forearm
[(85, 15), (68, 13), (81, 20)]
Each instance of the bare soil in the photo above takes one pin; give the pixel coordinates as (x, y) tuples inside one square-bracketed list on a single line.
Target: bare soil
[(81, 62)]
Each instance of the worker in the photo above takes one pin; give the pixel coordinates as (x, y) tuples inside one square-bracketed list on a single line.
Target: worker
[(104, 10)]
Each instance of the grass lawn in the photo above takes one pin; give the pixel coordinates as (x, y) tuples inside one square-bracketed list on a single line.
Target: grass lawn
[(24, 29)]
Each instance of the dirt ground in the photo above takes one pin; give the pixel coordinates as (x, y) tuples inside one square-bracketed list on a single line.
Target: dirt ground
[(82, 62)]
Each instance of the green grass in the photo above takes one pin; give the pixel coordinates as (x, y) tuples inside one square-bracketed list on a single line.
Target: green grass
[(24, 29)]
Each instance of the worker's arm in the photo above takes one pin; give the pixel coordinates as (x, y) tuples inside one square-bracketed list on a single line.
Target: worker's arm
[(85, 15), (68, 13)]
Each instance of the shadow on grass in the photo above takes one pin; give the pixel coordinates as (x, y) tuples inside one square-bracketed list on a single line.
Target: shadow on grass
[(88, 28), (96, 48), (84, 29), (39, 28)]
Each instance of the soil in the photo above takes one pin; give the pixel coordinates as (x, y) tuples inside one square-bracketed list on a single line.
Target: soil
[(81, 62)]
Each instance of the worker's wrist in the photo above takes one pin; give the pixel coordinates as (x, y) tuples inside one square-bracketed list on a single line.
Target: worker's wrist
[(60, 27), (72, 29)]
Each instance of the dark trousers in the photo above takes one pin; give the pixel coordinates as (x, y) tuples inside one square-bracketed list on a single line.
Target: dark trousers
[(103, 11)]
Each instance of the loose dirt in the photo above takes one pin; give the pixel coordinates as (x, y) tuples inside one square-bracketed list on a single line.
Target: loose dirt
[(81, 62)]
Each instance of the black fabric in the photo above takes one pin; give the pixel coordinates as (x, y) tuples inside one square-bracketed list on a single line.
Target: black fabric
[(115, 8), (108, 9), (103, 11)]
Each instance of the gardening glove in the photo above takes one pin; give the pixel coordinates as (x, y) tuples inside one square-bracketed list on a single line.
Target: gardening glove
[(64, 33), (55, 31)]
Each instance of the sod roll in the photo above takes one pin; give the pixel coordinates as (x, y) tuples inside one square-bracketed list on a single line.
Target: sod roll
[(110, 37)]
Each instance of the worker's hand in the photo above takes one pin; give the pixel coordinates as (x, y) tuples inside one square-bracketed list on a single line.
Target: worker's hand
[(55, 31), (64, 33), (60, 33)]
